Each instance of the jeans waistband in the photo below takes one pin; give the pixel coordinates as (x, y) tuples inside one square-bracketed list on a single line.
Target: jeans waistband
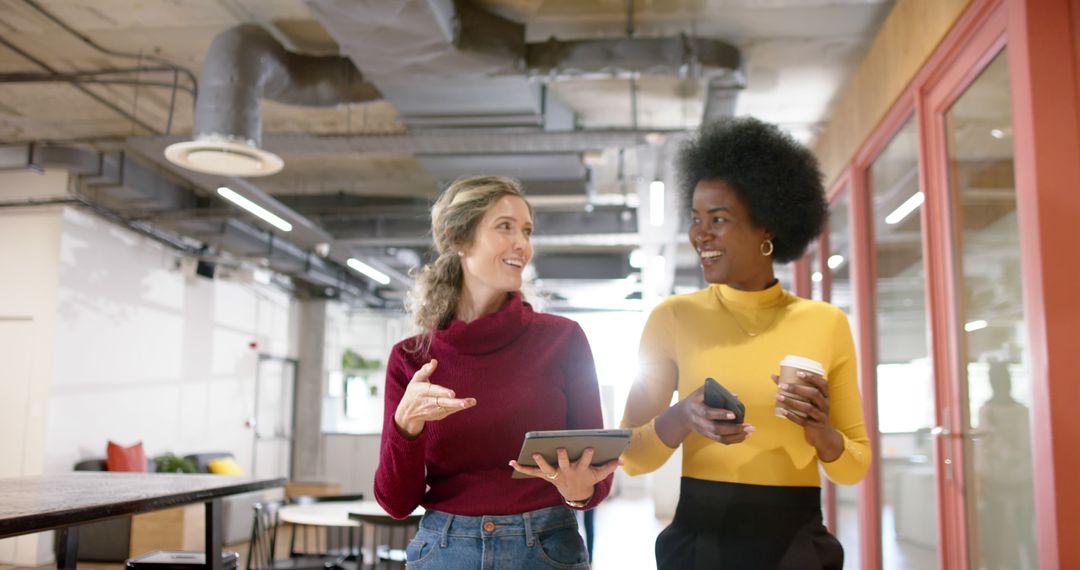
[(527, 524)]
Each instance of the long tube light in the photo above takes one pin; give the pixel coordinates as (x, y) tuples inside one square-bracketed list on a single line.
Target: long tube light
[(262, 213), (656, 203), (975, 325), (904, 209), (368, 271)]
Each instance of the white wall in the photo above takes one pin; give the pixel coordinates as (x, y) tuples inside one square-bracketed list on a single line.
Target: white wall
[(105, 339), (145, 352), (29, 253)]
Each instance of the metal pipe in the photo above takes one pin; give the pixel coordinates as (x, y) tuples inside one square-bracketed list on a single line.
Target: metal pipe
[(86, 40), (245, 63), (49, 78), (74, 84)]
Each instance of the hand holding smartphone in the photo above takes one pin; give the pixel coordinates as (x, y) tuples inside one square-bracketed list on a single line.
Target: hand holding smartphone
[(716, 396)]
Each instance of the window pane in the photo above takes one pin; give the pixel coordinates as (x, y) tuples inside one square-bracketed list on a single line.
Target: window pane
[(904, 379), (839, 294), (979, 130)]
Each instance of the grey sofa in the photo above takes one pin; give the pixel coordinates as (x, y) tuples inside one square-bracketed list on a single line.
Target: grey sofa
[(110, 540)]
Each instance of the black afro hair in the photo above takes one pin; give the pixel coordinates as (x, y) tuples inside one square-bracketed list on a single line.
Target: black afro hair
[(777, 179)]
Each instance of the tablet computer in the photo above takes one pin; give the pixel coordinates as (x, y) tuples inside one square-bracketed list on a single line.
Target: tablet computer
[(607, 445)]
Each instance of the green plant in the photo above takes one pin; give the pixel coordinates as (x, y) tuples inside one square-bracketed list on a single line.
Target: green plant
[(171, 463), (353, 361)]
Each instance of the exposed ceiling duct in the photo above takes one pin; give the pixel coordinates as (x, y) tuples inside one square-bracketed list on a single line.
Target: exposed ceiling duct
[(404, 46), (126, 191), (243, 65)]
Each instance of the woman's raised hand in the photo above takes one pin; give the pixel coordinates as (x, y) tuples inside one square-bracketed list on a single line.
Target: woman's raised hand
[(575, 481), (424, 401)]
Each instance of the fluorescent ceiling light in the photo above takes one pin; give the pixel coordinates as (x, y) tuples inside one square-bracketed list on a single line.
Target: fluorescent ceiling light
[(368, 271), (816, 277), (263, 214), (975, 325), (656, 203), (906, 208), (835, 260)]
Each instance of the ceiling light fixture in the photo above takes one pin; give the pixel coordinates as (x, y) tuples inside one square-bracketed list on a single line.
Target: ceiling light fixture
[(906, 208), (835, 260), (368, 271), (975, 325), (997, 133), (262, 213), (656, 203), (224, 156), (816, 277)]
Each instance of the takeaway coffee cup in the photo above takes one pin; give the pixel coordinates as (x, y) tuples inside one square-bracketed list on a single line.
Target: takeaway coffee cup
[(789, 374)]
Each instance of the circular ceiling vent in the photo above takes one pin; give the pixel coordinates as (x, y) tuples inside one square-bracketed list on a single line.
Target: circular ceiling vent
[(224, 157)]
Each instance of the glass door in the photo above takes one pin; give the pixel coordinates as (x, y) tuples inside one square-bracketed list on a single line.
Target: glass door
[(995, 389), (275, 385), (831, 281), (906, 395)]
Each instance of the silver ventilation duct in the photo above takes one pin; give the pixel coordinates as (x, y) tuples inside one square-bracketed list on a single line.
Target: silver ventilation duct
[(487, 74), (127, 192), (243, 65)]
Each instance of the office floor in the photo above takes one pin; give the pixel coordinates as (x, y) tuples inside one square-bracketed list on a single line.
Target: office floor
[(626, 531)]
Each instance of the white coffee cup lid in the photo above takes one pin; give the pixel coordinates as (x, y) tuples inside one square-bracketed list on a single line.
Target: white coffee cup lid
[(803, 363)]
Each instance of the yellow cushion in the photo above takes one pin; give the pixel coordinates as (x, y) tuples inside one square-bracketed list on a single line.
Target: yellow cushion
[(225, 466)]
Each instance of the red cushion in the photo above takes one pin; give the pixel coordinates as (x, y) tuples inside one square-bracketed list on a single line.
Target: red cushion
[(120, 458)]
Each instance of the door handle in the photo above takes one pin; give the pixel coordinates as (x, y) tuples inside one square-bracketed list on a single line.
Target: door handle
[(942, 431)]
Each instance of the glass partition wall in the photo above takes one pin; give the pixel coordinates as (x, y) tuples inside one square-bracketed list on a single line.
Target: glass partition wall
[(937, 286), (832, 262), (905, 383), (993, 347)]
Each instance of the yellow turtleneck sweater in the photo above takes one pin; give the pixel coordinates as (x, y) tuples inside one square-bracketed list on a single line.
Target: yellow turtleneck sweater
[(690, 337)]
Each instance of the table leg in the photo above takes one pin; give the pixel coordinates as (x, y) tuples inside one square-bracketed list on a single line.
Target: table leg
[(214, 521), (67, 547)]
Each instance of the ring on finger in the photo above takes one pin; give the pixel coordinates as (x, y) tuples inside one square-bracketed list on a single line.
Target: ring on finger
[(553, 476), (438, 405)]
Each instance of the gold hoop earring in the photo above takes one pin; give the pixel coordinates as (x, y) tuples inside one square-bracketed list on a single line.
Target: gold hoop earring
[(764, 244)]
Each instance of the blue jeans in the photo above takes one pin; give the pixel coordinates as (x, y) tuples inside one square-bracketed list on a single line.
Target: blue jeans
[(545, 538)]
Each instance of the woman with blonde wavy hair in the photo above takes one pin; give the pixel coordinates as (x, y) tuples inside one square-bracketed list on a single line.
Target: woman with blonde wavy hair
[(461, 395)]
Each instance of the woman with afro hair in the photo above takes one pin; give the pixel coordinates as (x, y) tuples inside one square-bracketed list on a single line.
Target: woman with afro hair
[(750, 495)]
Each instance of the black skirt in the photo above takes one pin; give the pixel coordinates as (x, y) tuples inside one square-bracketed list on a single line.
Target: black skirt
[(747, 527)]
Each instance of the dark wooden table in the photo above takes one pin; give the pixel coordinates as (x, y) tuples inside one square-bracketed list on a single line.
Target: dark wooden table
[(47, 502)]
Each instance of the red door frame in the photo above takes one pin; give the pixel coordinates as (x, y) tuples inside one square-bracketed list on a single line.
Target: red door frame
[(960, 64), (1043, 62), (1046, 124), (864, 268)]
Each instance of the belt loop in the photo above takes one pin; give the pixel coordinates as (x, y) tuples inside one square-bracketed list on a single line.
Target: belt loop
[(530, 538), (446, 530)]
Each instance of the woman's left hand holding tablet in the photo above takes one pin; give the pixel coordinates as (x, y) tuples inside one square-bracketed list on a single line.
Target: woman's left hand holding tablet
[(424, 401), (574, 480)]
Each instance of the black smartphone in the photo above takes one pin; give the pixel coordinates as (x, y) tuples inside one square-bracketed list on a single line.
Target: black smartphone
[(717, 396)]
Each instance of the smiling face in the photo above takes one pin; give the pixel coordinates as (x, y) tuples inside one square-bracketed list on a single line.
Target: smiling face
[(501, 248), (727, 242)]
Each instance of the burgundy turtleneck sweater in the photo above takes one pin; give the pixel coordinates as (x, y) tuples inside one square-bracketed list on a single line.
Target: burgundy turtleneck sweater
[(528, 371)]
